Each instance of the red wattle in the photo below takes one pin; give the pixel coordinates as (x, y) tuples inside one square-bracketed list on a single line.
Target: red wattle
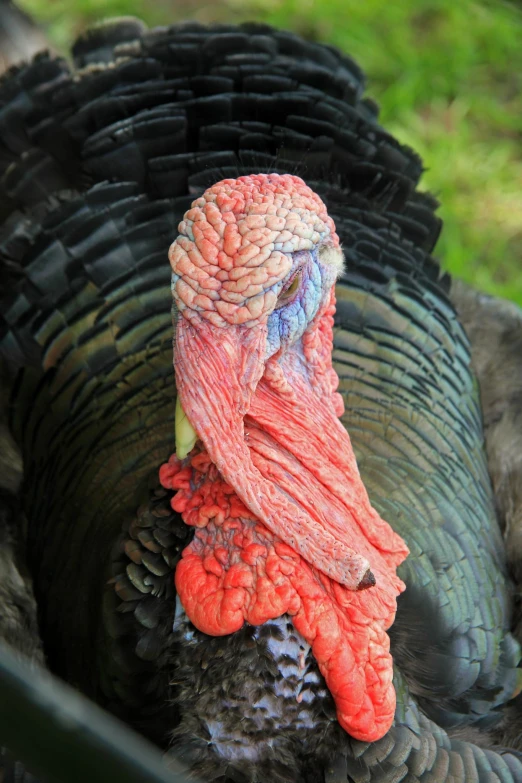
[(237, 571)]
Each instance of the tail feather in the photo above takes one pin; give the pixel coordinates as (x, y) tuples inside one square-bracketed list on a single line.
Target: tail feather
[(254, 91)]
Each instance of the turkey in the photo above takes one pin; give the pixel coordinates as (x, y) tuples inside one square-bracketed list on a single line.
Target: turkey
[(207, 563)]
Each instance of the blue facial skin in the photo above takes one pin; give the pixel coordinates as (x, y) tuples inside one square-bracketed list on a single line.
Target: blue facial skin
[(288, 322)]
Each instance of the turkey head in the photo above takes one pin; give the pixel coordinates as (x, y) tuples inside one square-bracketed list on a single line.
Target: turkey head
[(264, 469)]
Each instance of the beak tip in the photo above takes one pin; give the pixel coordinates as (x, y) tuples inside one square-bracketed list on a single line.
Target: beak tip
[(185, 433)]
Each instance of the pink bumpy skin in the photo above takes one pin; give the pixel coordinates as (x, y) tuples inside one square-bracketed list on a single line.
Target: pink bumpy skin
[(283, 521)]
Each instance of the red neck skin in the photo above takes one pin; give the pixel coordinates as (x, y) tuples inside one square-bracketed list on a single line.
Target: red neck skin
[(283, 521)]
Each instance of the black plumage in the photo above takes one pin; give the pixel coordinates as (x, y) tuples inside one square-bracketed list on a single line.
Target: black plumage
[(97, 168)]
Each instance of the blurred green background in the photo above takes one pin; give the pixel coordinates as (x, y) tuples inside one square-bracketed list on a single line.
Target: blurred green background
[(448, 77)]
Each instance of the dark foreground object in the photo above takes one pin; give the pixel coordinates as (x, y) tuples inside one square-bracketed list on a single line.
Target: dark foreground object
[(64, 737)]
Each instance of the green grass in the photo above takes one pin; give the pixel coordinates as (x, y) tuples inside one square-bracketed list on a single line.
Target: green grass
[(448, 77)]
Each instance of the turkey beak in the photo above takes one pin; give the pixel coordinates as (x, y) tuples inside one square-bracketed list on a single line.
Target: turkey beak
[(186, 435), (217, 371)]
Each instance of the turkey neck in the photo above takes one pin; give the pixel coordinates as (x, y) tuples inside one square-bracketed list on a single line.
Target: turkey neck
[(86, 453)]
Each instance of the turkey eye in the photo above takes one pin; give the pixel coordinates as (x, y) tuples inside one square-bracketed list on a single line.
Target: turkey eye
[(290, 291)]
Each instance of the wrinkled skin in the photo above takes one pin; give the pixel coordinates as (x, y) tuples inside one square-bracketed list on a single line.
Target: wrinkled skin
[(284, 524)]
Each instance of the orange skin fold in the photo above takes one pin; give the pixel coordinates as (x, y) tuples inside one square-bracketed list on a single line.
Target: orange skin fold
[(283, 521)]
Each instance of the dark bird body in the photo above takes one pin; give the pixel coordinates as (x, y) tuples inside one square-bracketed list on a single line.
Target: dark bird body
[(97, 170)]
